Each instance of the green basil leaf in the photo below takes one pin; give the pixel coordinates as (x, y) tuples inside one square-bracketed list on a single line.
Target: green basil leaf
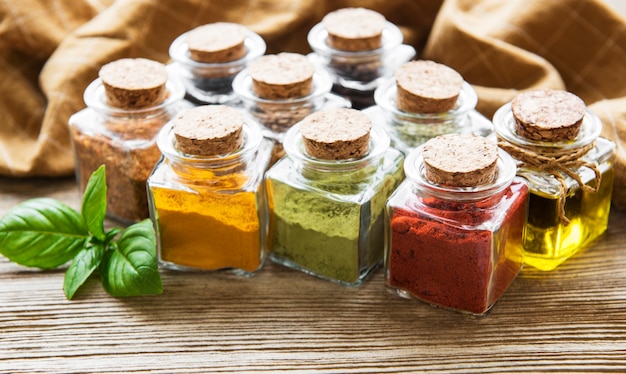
[(111, 234), (131, 269), (94, 203), (42, 232), (83, 265)]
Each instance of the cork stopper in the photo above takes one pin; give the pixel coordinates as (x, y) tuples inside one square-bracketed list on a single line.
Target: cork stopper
[(426, 86), (460, 160), (133, 83), (208, 130), (282, 76), (217, 42), (354, 29), (548, 115), (336, 134)]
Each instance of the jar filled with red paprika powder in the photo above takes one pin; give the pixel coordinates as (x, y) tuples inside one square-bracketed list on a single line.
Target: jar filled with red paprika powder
[(454, 226)]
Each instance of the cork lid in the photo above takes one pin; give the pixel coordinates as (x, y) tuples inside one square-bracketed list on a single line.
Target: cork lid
[(133, 83), (354, 29), (208, 130), (426, 86), (281, 76), (460, 160), (548, 115), (336, 134), (217, 42)]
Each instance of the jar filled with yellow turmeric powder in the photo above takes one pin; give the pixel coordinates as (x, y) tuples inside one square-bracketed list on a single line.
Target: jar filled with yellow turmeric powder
[(206, 194)]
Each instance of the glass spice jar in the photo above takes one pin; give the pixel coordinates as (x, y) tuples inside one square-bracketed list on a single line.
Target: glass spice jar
[(326, 215), (409, 129), (359, 64), (451, 245), (571, 180), (210, 82), (209, 208), (277, 115), (123, 138)]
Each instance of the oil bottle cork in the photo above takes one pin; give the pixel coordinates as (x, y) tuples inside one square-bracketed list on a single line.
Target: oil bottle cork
[(336, 134), (208, 130), (354, 29), (460, 160), (425, 86), (217, 42), (548, 115), (282, 76), (133, 83)]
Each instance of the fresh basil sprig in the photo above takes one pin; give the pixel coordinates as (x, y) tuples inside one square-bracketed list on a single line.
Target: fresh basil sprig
[(46, 233)]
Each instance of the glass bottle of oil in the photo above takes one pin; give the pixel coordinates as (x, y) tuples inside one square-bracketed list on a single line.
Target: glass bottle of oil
[(565, 215)]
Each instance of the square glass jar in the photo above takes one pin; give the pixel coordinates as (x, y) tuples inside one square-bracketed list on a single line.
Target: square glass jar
[(326, 217), (457, 248), (124, 140), (210, 212), (548, 240)]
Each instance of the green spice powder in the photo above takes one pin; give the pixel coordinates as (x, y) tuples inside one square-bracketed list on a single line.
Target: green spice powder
[(332, 235)]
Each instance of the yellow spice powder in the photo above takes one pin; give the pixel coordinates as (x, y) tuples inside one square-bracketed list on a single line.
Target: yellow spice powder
[(209, 230)]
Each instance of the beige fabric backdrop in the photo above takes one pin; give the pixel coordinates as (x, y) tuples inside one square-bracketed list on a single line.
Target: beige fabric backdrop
[(51, 50)]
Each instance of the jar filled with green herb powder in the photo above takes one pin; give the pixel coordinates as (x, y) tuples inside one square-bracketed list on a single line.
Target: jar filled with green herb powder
[(556, 142), (327, 197)]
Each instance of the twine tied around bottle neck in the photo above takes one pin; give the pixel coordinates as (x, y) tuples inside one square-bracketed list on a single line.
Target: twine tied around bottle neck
[(557, 162)]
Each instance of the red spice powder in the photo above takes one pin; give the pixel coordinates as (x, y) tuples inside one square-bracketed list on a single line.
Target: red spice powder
[(454, 254)]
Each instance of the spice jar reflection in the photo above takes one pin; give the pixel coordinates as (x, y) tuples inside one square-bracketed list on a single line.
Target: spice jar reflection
[(206, 194), (327, 196), (454, 226), (126, 107)]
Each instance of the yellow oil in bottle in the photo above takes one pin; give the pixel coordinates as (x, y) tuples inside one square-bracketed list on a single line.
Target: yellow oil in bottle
[(548, 242)]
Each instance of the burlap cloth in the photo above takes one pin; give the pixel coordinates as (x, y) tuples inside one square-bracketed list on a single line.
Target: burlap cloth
[(51, 50)]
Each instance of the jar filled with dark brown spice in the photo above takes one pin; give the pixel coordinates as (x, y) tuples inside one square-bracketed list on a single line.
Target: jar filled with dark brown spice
[(358, 47), (127, 105), (208, 57), (279, 90)]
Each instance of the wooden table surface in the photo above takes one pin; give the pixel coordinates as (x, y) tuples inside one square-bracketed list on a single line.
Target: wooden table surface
[(570, 319)]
